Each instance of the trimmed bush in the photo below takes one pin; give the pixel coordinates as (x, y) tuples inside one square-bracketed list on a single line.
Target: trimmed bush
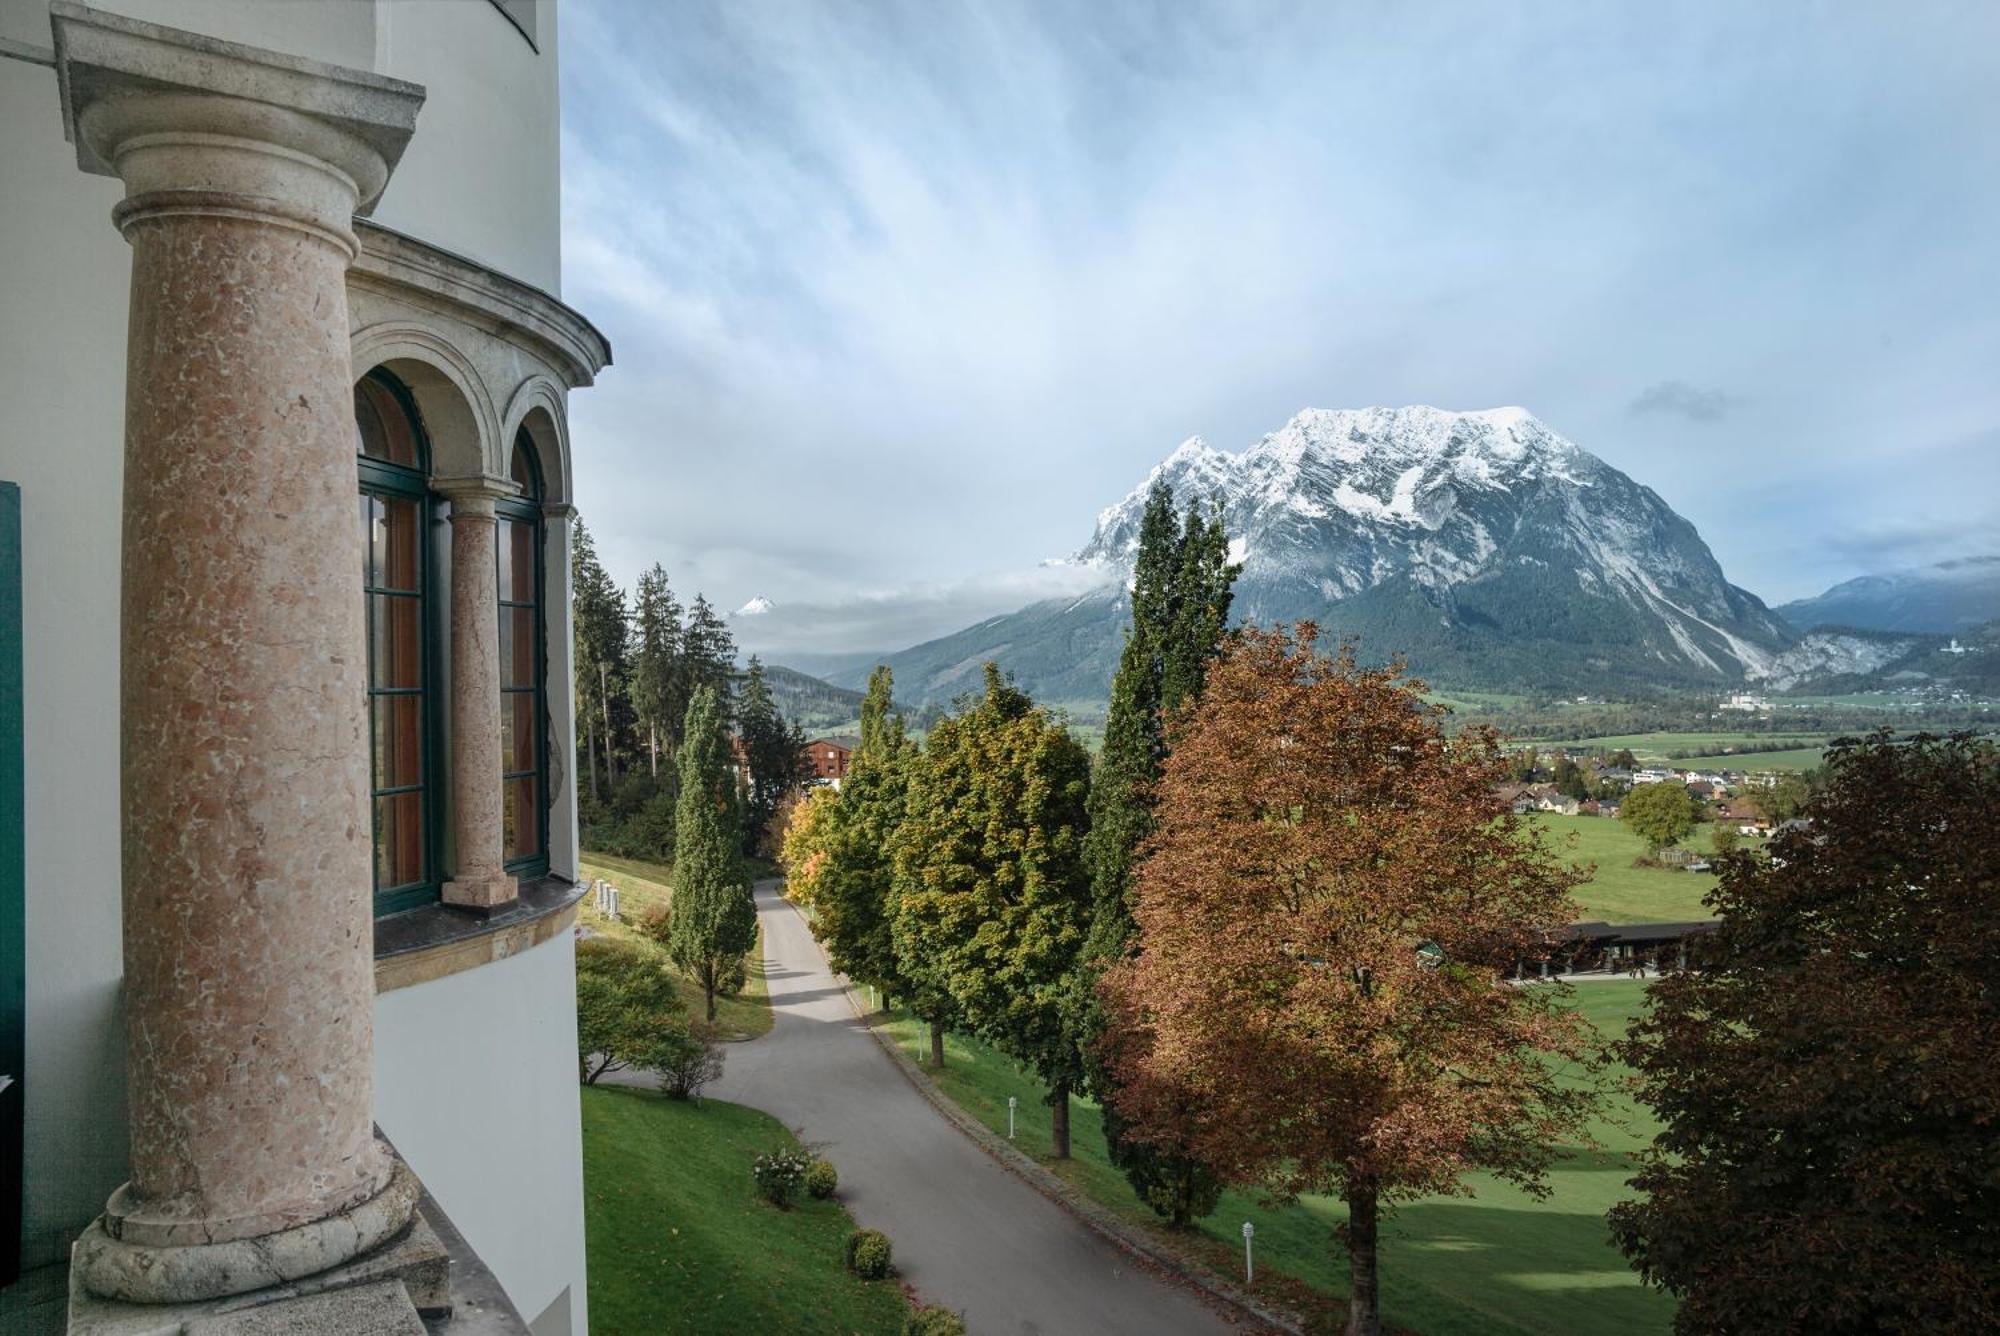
[(868, 1253), (933, 1320), (779, 1175), (821, 1179)]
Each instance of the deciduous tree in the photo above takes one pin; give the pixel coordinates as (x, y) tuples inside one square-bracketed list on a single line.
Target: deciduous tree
[(714, 916), (1826, 1075), (775, 752), (803, 851), (625, 1000), (1328, 912), (991, 896), (853, 890), (1660, 814)]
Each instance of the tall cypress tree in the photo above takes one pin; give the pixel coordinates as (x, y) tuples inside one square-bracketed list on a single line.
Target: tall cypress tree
[(1182, 584), (714, 918)]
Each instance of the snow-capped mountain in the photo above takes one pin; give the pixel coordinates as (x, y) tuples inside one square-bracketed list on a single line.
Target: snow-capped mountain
[(756, 607), (1484, 547), (1488, 526)]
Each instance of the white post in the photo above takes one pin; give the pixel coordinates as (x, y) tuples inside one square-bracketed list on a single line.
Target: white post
[(1011, 1102), (1249, 1263)]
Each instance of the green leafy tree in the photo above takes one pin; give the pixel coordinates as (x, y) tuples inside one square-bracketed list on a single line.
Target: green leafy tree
[(659, 697), (852, 884), (1660, 814), (992, 899), (714, 917), (625, 1003), (1824, 1077), (1783, 798), (1182, 585), (775, 752)]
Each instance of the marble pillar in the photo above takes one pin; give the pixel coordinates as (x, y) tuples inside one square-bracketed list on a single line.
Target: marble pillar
[(479, 877), (246, 830)]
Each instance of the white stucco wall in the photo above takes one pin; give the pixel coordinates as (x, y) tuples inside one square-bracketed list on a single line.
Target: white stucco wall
[(475, 1082), (476, 1073)]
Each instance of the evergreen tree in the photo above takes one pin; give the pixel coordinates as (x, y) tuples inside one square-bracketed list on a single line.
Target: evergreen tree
[(992, 900), (598, 609), (853, 885), (774, 750), (708, 652), (714, 917), (1182, 584), (658, 695)]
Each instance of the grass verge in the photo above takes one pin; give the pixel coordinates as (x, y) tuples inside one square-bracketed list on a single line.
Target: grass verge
[(1495, 1262), (642, 885), (1619, 892), (677, 1242)]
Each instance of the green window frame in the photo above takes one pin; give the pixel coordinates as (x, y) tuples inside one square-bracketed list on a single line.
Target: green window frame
[(405, 797), (523, 592)]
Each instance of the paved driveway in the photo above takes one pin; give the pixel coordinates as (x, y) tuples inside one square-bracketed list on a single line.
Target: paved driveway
[(967, 1233)]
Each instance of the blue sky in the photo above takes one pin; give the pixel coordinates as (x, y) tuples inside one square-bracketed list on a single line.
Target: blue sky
[(903, 294)]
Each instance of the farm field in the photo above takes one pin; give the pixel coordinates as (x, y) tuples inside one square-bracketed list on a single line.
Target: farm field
[(1660, 746), (1619, 892), (642, 885), (1802, 758), (1495, 1262), (677, 1242)]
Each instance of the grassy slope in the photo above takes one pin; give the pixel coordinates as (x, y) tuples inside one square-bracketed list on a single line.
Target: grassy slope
[(1619, 892), (642, 885), (1801, 758), (1661, 746), (677, 1242), (1497, 1262)]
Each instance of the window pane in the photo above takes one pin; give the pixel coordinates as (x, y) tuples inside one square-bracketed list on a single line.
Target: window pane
[(382, 425), (522, 819), (395, 636), (367, 539), (517, 561), (517, 647), (399, 840), (399, 741), (518, 731), (397, 537)]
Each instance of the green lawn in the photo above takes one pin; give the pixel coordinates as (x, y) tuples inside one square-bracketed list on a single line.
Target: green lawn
[(1495, 1262), (1620, 892), (1801, 758), (642, 885), (1661, 746), (677, 1242)]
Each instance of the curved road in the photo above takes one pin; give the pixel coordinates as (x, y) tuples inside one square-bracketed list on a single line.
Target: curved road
[(967, 1233)]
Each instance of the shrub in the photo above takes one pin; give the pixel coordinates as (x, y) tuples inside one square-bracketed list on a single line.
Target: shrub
[(779, 1175), (933, 1320), (868, 1253), (821, 1179), (624, 1001), (687, 1058)]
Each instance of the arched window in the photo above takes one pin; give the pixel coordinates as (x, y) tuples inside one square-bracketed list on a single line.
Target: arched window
[(395, 529), (523, 707)]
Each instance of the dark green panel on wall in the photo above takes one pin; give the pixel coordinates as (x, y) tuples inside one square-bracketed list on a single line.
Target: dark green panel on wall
[(13, 884)]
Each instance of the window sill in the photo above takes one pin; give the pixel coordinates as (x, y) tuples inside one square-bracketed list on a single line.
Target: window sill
[(429, 943)]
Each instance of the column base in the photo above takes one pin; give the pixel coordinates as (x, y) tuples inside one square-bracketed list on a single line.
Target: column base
[(189, 1273), (484, 894)]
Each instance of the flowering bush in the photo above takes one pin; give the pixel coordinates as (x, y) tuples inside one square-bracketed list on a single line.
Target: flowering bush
[(868, 1253), (779, 1175)]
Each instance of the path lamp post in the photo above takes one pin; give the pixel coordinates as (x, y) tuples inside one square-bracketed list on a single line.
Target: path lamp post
[(1012, 1100), (1249, 1262)]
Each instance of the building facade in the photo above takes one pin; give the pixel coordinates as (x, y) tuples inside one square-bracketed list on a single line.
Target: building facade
[(288, 371)]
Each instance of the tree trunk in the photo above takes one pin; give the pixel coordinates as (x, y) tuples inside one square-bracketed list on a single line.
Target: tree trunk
[(937, 1045), (590, 750), (604, 703), (653, 745), (1364, 1310), (708, 993), (1059, 1121)]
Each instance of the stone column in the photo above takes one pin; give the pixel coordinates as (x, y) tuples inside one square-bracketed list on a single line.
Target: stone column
[(479, 877), (246, 829)]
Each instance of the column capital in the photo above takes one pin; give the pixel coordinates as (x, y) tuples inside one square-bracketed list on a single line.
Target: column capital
[(474, 495), (193, 124)]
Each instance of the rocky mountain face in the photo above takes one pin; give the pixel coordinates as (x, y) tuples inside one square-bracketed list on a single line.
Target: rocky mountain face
[(1948, 597)]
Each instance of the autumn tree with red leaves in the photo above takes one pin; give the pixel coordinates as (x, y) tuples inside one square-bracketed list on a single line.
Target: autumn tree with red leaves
[(1826, 1077), (1328, 912)]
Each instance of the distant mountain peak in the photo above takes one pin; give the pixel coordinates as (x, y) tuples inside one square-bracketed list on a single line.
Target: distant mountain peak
[(756, 607)]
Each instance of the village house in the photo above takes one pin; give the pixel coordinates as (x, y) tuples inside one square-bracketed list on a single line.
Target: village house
[(829, 758), (297, 1018)]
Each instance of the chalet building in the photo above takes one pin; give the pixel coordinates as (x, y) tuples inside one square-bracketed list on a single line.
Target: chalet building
[(286, 963), (830, 757)]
